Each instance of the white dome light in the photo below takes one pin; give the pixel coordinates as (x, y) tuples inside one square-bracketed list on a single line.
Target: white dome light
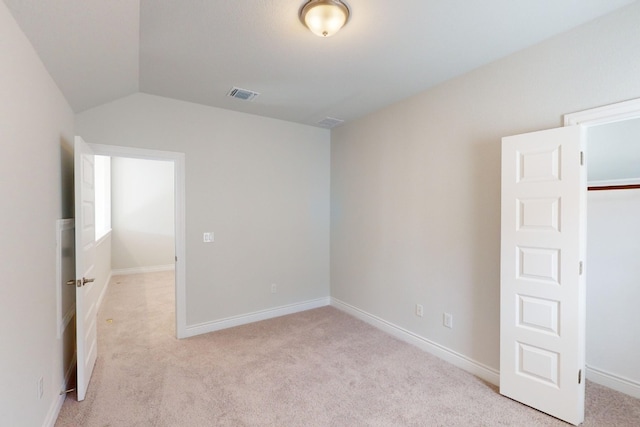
[(324, 17)]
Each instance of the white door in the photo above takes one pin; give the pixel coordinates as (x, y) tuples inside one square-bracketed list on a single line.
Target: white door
[(86, 292), (542, 291)]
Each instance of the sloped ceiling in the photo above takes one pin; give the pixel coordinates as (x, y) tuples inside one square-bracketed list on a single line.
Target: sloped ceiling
[(90, 47), (196, 50)]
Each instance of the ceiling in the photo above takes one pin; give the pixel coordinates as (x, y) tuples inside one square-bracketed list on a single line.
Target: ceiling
[(197, 50)]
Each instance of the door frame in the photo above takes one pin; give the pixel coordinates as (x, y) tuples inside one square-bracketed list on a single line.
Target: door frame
[(620, 111), (179, 216), (603, 115)]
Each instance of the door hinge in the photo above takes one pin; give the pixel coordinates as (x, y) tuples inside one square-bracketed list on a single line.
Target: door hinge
[(176, 258), (580, 268), (580, 376), (582, 158)]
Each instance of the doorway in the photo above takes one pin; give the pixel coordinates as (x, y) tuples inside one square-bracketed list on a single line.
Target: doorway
[(613, 248), (543, 254), (177, 159), (142, 211)]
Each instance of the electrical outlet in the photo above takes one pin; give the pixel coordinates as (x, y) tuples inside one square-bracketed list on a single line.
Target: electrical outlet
[(274, 288), (419, 310), (207, 237), (40, 386), (447, 319)]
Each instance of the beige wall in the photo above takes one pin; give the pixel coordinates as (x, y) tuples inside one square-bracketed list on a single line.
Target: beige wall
[(613, 319), (142, 214), (414, 197), (415, 187), (36, 189), (261, 185)]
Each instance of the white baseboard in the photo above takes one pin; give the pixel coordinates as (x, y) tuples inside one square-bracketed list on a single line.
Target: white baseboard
[(256, 316), (476, 368), (140, 270), (56, 405), (613, 381), (54, 411)]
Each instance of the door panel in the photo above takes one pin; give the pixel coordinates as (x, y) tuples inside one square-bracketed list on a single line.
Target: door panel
[(543, 244), (86, 291)]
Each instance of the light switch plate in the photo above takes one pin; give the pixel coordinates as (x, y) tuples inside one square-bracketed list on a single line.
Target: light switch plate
[(447, 320)]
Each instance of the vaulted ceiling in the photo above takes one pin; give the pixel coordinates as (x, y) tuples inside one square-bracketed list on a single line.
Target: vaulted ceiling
[(197, 50)]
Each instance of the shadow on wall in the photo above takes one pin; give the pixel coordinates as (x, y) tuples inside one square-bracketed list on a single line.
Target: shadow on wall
[(66, 178), (485, 270)]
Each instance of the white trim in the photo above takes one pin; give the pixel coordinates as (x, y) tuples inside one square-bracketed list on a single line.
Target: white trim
[(594, 117), (56, 406), (230, 322), (178, 160), (63, 318), (613, 381), (108, 279), (474, 367), (606, 114), (54, 411), (103, 237), (134, 153), (181, 251), (140, 270), (102, 234)]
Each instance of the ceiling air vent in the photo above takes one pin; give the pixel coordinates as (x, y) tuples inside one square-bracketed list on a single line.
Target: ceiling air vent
[(330, 122), (242, 94)]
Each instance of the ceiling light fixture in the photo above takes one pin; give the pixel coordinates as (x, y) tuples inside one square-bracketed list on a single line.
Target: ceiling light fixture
[(324, 17)]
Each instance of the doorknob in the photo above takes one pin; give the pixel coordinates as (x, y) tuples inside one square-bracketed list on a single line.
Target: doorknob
[(80, 283)]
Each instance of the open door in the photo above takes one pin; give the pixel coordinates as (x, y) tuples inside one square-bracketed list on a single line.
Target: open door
[(86, 292), (542, 291)]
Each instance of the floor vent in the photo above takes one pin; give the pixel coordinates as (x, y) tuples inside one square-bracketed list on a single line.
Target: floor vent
[(330, 122), (242, 94)]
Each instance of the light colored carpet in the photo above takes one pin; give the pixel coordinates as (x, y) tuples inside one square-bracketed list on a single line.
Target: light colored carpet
[(317, 368)]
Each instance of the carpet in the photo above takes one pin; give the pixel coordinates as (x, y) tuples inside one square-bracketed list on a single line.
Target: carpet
[(320, 367)]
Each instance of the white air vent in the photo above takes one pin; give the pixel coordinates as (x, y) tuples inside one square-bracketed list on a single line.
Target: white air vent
[(242, 94), (330, 122)]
